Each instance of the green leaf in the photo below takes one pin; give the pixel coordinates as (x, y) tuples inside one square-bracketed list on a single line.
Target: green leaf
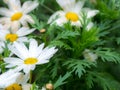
[(79, 66), (59, 44), (118, 41), (67, 34), (38, 25), (34, 86), (54, 70), (61, 80), (105, 80), (107, 55), (88, 38)]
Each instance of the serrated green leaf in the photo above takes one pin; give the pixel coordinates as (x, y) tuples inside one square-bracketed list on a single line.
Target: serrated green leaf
[(60, 44), (105, 80), (67, 34), (110, 56), (79, 66), (61, 80)]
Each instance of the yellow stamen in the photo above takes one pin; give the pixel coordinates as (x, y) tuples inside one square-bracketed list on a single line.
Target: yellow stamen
[(72, 16), (11, 37), (16, 16), (14, 86), (30, 61)]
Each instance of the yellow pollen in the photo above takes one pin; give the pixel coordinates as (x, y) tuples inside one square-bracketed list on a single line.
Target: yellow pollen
[(72, 16), (16, 16), (30, 61), (14, 86), (11, 37)]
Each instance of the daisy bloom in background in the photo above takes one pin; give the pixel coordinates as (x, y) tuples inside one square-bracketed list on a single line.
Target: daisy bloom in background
[(29, 57), (89, 55), (19, 35), (12, 79), (16, 15), (72, 11)]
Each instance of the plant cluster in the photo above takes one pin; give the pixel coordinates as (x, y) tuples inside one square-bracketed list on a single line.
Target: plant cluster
[(59, 45)]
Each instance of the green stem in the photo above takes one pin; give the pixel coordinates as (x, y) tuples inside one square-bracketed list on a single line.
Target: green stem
[(47, 8), (30, 81)]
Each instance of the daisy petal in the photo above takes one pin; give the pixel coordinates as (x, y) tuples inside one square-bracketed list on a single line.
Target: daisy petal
[(13, 61), (28, 6), (78, 23), (79, 5), (15, 26), (24, 31), (25, 78), (66, 4), (2, 46), (4, 20), (29, 19), (3, 34), (60, 21), (90, 13), (33, 48), (89, 26), (22, 49), (28, 68), (8, 78), (14, 4), (22, 39), (15, 51), (55, 16), (5, 12), (46, 55), (40, 48), (24, 22)]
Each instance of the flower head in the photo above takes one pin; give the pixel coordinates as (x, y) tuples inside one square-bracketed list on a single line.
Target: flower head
[(72, 11), (6, 35), (13, 79), (89, 55), (15, 14), (28, 58)]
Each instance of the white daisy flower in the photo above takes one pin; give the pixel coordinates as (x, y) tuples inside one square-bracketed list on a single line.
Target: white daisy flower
[(15, 14), (28, 58), (72, 11), (12, 79), (17, 36), (88, 55)]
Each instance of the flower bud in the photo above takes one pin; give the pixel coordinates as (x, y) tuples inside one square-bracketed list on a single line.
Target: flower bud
[(49, 86)]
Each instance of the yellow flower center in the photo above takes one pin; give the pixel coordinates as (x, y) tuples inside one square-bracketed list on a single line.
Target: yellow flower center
[(30, 61), (14, 86), (72, 16), (16, 16), (11, 37)]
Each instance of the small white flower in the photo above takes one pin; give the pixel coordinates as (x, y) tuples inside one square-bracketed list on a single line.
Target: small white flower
[(28, 58), (88, 55), (12, 78), (72, 11), (15, 14), (17, 36)]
